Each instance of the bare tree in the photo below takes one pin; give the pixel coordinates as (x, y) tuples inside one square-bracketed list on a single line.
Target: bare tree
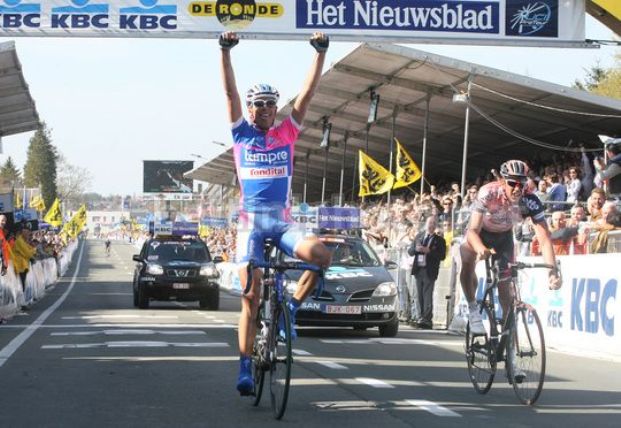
[(72, 182)]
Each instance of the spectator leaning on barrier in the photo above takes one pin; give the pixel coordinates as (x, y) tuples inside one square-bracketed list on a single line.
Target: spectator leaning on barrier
[(595, 203), (5, 250), (603, 226)]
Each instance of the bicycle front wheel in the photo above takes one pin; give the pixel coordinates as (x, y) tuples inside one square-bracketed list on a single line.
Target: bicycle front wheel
[(280, 360), (526, 355), (258, 365), (481, 356)]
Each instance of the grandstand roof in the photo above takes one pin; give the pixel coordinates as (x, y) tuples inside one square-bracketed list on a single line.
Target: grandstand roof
[(18, 112), (542, 112)]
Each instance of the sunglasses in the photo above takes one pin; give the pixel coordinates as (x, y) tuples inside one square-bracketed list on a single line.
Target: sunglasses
[(261, 103), (516, 183)]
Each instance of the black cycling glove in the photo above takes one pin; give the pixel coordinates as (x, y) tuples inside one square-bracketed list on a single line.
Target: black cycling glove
[(320, 46), (227, 44)]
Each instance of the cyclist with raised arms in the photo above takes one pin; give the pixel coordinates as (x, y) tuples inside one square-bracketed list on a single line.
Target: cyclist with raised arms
[(264, 162), (498, 206)]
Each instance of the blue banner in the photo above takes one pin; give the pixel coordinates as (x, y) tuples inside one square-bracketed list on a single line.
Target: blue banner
[(215, 222), (338, 218)]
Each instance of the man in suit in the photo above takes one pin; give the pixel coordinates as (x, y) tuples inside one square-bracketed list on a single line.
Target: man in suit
[(428, 249)]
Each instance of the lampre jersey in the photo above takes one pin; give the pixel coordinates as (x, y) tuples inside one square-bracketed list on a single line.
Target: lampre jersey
[(264, 163), (500, 214)]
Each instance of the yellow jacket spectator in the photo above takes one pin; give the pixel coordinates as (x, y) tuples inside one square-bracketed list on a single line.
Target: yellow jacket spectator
[(21, 254)]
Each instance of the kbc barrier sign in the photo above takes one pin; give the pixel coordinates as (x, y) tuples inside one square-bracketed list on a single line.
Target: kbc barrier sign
[(486, 22)]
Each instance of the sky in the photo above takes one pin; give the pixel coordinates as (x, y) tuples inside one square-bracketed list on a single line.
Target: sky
[(112, 103)]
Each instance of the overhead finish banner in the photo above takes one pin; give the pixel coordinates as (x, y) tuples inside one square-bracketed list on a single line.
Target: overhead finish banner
[(485, 22)]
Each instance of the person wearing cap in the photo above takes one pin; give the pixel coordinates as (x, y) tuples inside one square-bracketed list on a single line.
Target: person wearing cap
[(612, 170), (263, 155)]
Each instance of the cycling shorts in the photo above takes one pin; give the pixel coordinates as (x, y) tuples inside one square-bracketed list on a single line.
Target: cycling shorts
[(502, 243), (254, 228)]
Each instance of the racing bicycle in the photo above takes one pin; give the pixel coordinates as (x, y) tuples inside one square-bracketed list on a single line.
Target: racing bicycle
[(272, 345), (519, 342)]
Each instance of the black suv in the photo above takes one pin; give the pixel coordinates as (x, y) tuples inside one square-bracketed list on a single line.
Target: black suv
[(174, 268)]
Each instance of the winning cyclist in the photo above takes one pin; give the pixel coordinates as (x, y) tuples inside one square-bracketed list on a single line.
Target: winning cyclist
[(497, 206), (107, 244), (264, 162)]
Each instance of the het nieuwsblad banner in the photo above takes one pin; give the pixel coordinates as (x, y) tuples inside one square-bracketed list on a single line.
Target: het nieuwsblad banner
[(483, 22)]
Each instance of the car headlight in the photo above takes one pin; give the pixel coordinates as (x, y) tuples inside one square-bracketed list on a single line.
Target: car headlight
[(155, 269), (209, 270), (385, 289), (291, 286)]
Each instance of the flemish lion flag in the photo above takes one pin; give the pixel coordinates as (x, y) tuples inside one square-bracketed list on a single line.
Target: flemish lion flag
[(37, 203), (54, 216), (374, 178), (407, 172)]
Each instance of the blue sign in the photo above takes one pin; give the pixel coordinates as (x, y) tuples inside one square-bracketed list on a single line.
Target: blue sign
[(215, 222), (148, 16), (338, 218), (80, 15), (463, 16), (526, 18), (15, 14)]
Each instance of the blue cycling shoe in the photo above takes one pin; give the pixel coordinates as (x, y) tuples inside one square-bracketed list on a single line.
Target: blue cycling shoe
[(281, 328), (245, 383)]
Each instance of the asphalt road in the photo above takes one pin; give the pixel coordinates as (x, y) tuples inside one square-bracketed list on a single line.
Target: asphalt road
[(83, 356)]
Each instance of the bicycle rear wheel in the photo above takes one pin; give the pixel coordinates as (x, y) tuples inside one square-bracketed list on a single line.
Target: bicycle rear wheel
[(526, 347), (280, 360), (481, 357)]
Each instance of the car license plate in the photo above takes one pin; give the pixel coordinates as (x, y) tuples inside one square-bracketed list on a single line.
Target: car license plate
[(181, 286), (345, 310)]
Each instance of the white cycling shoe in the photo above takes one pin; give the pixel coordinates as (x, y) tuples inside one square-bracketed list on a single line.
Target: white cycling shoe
[(476, 323)]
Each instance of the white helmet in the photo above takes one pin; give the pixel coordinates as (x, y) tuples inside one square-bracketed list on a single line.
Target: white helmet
[(263, 91), (514, 168)]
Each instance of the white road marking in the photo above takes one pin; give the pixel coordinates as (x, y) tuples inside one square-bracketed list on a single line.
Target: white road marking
[(126, 331), (122, 324), (391, 341), (113, 316), (375, 383), (332, 365), (18, 341), (300, 352), (138, 344), (434, 408)]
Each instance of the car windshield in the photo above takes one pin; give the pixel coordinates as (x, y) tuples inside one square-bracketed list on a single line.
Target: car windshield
[(166, 251), (351, 253)]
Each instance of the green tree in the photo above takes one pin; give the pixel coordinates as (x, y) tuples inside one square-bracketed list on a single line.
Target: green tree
[(40, 168), (594, 76), (10, 174)]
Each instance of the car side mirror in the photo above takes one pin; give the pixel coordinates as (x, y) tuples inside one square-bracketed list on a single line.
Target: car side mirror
[(218, 259), (136, 258), (389, 264)]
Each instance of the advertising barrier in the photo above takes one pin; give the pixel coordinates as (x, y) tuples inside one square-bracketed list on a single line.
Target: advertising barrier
[(486, 22), (583, 317), (41, 274)]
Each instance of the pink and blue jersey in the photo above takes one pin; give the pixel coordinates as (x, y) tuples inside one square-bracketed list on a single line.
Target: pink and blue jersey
[(264, 163)]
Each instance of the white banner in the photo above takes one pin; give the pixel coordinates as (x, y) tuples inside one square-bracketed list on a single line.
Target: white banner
[(487, 22), (584, 317)]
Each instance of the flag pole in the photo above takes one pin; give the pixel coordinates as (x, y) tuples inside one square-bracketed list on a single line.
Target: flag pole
[(425, 130), (343, 168)]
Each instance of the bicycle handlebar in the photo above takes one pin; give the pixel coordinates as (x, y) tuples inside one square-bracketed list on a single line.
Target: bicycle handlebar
[(281, 267)]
